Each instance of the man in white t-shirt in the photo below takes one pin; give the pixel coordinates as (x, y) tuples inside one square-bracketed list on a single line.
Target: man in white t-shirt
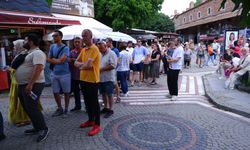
[(175, 65), (130, 50)]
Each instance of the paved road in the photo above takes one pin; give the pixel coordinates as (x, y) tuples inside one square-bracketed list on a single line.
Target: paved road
[(144, 120)]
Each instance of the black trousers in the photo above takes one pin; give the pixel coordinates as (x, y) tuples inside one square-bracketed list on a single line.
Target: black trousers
[(173, 81), (30, 106), (90, 94), (1, 124), (187, 62), (75, 86)]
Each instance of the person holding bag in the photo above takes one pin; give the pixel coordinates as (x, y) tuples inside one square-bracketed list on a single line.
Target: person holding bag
[(60, 76)]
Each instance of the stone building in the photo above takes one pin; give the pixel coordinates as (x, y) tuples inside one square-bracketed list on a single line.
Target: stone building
[(206, 20)]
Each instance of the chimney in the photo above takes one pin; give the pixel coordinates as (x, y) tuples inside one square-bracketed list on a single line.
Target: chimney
[(191, 5)]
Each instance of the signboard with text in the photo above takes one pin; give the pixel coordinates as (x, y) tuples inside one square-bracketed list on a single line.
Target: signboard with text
[(73, 7)]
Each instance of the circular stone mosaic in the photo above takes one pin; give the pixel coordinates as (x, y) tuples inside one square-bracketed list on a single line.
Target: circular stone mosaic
[(154, 131)]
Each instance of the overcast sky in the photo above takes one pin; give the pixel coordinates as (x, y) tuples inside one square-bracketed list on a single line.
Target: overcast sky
[(169, 6)]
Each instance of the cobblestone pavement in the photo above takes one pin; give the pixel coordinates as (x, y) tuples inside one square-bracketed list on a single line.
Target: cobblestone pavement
[(146, 119)]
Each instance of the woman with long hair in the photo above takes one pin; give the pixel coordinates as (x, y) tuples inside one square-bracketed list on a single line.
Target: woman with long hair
[(155, 63)]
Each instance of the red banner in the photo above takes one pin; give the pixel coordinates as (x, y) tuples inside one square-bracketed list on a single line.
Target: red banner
[(35, 20)]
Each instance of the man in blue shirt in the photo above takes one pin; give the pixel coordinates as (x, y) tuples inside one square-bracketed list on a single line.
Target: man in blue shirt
[(60, 76), (140, 54)]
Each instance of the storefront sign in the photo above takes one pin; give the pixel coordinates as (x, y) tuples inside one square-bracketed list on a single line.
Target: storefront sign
[(39, 21), (35, 20), (73, 7)]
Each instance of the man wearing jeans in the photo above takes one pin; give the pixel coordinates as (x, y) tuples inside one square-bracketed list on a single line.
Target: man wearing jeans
[(123, 69), (60, 76), (88, 62), (30, 79)]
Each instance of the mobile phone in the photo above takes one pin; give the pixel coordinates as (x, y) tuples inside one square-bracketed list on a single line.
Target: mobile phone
[(33, 96)]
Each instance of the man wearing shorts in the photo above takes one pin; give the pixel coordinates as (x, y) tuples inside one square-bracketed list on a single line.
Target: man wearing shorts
[(60, 76), (139, 55), (107, 77)]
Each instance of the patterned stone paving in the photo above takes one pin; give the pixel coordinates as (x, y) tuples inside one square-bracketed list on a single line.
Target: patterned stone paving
[(154, 131)]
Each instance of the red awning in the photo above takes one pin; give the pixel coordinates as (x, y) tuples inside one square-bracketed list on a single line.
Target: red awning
[(7, 17)]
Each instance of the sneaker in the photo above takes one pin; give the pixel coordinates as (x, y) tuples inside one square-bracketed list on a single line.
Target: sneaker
[(31, 132), (2, 136), (124, 95), (104, 110), (43, 134), (75, 109), (168, 96), (108, 114), (95, 129), (174, 98), (58, 112), (132, 84), (87, 124)]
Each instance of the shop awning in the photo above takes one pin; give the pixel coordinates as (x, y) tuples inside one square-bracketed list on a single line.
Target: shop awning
[(70, 32), (87, 22), (7, 17)]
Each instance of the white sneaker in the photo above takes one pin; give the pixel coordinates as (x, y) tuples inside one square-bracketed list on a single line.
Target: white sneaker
[(174, 98), (124, 95)]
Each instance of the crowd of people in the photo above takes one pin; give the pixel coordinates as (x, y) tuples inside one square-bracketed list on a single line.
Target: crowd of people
[(97, 67)]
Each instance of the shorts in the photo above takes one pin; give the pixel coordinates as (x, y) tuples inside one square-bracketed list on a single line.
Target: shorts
[(137, 67), (61, 83), (106, 88)]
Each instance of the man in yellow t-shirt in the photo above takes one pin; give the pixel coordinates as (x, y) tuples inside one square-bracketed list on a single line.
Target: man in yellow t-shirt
[(88, 62)]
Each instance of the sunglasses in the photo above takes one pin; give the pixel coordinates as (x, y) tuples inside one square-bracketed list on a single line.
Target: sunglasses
[(55, 35)]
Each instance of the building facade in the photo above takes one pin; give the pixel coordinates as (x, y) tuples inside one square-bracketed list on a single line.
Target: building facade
[(206, 21)]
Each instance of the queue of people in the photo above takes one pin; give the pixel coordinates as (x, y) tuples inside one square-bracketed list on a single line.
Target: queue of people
[(100, 68)]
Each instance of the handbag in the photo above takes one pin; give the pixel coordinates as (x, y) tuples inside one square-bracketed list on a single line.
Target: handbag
[(18, 60), (51, 66)]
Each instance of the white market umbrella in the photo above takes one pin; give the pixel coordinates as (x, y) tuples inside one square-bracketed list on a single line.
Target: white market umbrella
[(119, 36), (70, 32)]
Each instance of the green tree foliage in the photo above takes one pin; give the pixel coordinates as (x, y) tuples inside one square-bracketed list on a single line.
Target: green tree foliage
[(49, 2), (160, 22), (198, 2), (244, 7), (122, 14)]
